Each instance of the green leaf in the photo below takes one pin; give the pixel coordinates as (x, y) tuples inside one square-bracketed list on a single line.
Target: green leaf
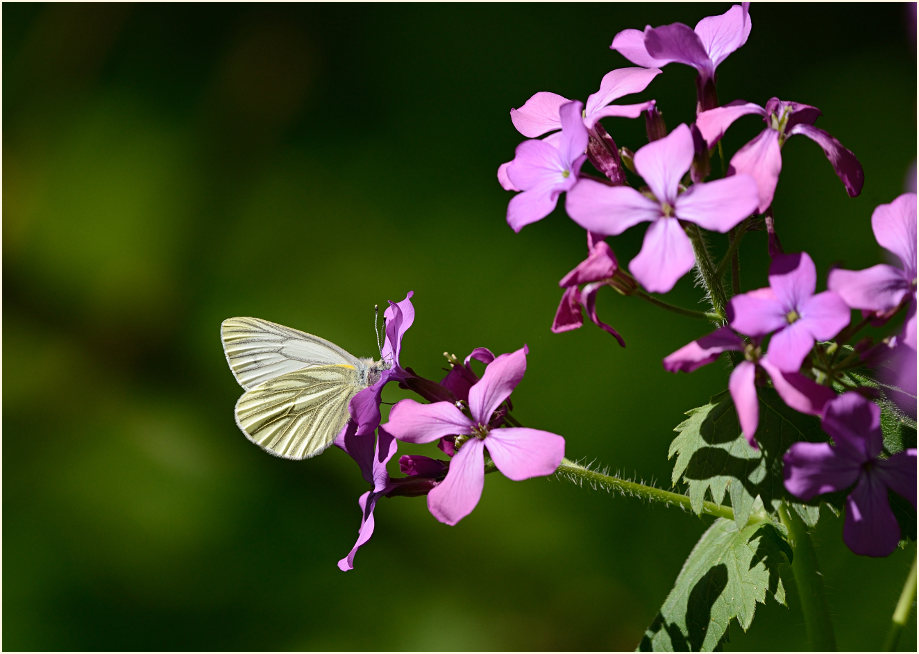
[(725, 575), (714, 459)]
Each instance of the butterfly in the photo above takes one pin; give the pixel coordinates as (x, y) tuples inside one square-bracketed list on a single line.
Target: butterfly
[(297, 386)]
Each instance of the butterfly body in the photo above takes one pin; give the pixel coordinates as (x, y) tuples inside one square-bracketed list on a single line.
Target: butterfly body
[(297, 386)]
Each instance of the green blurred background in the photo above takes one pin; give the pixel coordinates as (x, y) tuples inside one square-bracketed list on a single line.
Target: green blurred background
[(168, 166)]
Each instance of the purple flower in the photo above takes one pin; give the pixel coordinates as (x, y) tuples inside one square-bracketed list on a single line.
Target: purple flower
[(599, 269), (883, 288), (544, 169), (812, 469), (540, 114), (762, 157), (797, 391), (789, 310), (519, 453), (461, 377), (365, 406), (357, 439), (666, 254), (704, 48)]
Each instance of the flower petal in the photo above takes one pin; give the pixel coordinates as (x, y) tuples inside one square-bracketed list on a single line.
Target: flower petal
[(498, 381), (521, 453), (631, 45), (756, 313), (898, 473), (367, 502), (456, 496), (530, 207), (870, 528), (797, 391), (703, 351), (568, 316), (815, 468), (713, 123), (536, 165), (662, 163), (894, 228), (847, 167), (722, 35), (678, 43), (398, 317), (793, 278), (539, 114), (589, 299), (599, 265), (504, 180), (855, 425), (413, 422), (879, 288), (608, 210), (825, 315), (761, 158), (619, 111), (790, 346), (742, 385), (718, 205), (618, 83), (666, 255), (574, 137)]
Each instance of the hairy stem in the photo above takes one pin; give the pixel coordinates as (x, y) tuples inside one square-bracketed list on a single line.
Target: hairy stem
[(709, 273), (577, 473), (817, 622), (706, 315), (904, 607)]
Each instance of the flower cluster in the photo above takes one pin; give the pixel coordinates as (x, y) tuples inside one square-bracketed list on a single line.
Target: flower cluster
[(785, 334)]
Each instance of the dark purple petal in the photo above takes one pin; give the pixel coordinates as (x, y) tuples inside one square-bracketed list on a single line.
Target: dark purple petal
[(678, 43), (413, 422), (365, 406), (498, 381), (666, 255), (761, 158), (847, 167), (568, 316), (742, 385), (539, 114), (703, 351), (718, 205), (894, 228), (898, 473), (797, 113), (879, 288), (797, 391), (756, 313), (521, 453), (855, 425), (812, 469), (589, 299), (608, 210), (870, 527), (456, 496), (713, 123), (480, 354), (722, 35), (631, 45), (422, 466), (599, 265), (662, 163)]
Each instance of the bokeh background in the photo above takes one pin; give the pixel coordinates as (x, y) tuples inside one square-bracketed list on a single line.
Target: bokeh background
[(168, 166)]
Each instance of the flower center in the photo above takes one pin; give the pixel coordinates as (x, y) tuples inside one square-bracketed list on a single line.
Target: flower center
[(792, 316), (752, 352), (667, 209), (566, 174), (480, 431)]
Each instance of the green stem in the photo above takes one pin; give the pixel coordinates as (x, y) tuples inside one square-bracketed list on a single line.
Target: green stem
[(576, 473), (817, 622), (706, 315), (904, 607), (708, 271)]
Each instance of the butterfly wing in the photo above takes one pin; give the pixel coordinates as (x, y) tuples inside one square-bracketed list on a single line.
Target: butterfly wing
[(298, 414), (258, 350)]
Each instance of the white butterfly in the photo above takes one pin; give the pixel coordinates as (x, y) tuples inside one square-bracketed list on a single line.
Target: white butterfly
[(298, 386)]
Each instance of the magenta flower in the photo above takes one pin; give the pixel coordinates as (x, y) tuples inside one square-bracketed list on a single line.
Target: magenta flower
[(883, 288), (789, 310), (519, 453), (704, 48), (542, 170), (797, 391), (540, 114), (365, 406), (762, 156), (666, 254), (599, 269), (811, 469)]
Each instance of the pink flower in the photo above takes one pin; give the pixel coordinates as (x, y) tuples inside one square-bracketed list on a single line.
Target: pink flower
[(519, 453), (666, 254), (796, 390), (789, 310), (762, 156), (883, 288)]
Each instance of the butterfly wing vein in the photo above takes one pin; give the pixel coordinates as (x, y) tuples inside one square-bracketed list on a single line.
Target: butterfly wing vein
[(297, 415)]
